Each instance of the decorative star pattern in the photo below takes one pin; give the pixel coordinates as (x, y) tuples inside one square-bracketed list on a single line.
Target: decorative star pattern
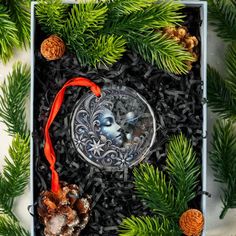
[(96, 147)]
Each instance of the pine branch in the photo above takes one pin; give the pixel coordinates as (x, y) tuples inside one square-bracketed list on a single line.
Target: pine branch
[(51, 15), (152, 187), (221, 98), (84, 18), (183, 169), (11, 227), (223, 161), (15, 176), (162, 14), (106, 50), (15, 90), (222, 15), (231, 64), (148, 226), (20, 14), (124, 7), (165, 53), (8, 35), (16, 170)]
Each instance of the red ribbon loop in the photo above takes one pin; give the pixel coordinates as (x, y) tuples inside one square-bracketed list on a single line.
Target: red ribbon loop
[(48, 147)]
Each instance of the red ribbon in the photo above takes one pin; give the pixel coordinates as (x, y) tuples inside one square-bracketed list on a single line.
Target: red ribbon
[(48, 147)]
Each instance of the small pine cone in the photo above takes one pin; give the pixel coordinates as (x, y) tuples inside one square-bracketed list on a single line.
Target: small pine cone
[(182, 31), (191, 222), (189, 43), (52, 48), (169, 31)]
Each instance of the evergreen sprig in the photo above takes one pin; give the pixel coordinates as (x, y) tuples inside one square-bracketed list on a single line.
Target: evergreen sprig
[(223, 162), (222, 15), (12, 100), (124, 7), (51, 14), (87, 25), (169, 55), (148, 226), (183, 169), (8, 35), (152, 187), (11, 227), (222, 91), (15, 175), (166, 196), (20, 15)]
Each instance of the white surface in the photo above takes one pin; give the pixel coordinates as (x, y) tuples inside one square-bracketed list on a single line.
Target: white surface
[(214, 226)]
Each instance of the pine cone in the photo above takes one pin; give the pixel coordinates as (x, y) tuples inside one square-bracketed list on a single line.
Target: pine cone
[(64, 214), (191, 222), (52, 48)]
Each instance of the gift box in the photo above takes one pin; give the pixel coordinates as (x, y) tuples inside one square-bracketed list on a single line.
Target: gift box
[(39, 111)]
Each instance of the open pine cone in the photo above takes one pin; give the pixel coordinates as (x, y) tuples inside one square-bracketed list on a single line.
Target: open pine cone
[(191, 222), (183, 37), (64, 214), (52, 48)]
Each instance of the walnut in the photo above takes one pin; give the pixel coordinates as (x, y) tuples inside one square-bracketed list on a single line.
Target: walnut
[(64, 214), (52, 48), (191, 222)]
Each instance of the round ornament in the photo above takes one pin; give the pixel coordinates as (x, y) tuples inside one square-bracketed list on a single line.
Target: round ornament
[(191, 222), (52, 48), (115, 130)]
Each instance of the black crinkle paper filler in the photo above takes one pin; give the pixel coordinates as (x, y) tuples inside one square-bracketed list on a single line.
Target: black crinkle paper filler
[(177, 104)]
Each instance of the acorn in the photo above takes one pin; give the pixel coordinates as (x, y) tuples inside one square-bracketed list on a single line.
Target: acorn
[(191, 222), (52, 48)]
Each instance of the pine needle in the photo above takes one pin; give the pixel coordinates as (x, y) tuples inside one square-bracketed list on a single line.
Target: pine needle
[(51, 14), (221, 98), (223, 161), (148, 226), (15, 90), (222, 15), (11, 227), (15, 176), (183, 169), (124, 7), (231, 64), (19, 12), (152, 187), (8, 35), (165, 53)]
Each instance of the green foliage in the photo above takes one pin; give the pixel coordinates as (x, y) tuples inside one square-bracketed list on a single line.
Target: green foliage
[(222, 15), (12, 101), (223, 162), (15, 175), (51, 14), (167, 197), (89, 24), (8, 35), (182, 168), (79, 32), (231, 64), (152, 187), (11, 227), (222, 91), (107, 49), (148, 226), (168, 54), (20, 15), (124, 7)]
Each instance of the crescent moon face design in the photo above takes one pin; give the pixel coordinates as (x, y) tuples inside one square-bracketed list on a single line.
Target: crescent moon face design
[(114, 131)]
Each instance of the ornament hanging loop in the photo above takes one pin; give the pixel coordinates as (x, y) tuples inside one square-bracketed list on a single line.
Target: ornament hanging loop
[(48, 147)]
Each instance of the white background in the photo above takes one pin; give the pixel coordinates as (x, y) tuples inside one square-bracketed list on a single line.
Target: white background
[(214, 226)]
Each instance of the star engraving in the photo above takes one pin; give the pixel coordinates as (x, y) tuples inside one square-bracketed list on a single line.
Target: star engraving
[(96, 147)]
